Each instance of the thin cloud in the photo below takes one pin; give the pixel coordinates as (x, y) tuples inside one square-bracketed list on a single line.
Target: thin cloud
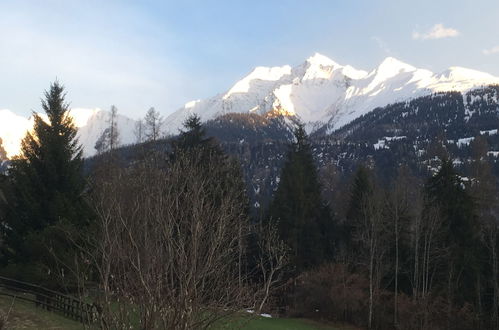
[(490, 51), (381, 44), (438, 31)]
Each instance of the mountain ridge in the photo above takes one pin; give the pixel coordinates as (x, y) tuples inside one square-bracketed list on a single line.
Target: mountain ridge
[(320, 92)]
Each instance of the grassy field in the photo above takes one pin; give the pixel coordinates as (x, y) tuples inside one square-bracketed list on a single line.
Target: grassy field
[(263, 323), (24, 315)]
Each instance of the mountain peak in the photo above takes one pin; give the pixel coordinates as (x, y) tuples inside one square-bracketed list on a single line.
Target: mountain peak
[(317, 66), (390, 67), (391, 63), (319, 59)]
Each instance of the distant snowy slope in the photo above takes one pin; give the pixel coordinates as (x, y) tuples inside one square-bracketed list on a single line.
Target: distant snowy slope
[(12, 130), (322, 92), (96, 122), (90, 122)]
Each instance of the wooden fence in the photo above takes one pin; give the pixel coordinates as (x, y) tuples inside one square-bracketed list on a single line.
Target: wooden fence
[(50, 300)]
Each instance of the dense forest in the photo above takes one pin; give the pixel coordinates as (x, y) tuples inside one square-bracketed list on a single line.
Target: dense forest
[(388, 223)]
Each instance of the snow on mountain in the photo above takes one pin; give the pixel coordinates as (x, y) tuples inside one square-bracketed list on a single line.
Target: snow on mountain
[(12, 130), (321, 91), (90, 123)]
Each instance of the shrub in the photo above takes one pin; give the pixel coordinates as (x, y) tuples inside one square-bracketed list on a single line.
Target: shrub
[(330, 292)]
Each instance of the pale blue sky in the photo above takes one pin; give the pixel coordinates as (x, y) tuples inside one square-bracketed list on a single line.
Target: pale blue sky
[(137, 54)]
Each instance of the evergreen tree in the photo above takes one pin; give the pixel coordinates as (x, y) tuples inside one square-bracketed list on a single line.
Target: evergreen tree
[(193, 135), (483, 188), (302, 218), (362, 189), (210, 158), (3, 194), (445, 191), (205, 150), (47, 186), (193, 139)]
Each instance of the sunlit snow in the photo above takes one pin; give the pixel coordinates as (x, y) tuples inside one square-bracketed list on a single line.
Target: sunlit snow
[(320, 91)]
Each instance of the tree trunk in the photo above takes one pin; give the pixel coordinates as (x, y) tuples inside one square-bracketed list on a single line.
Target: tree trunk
[(395, 313), (495, 279), (371, 288)]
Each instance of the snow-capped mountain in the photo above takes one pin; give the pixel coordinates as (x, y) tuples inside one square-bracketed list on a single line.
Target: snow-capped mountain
[(90, 122), (322, 92)]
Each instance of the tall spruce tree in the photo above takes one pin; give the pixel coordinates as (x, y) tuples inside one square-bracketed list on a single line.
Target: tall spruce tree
[(3, 194), (460, 234), (193, 135), (483, 188), (362, 188), (303, 219), (47, 186), (193, 142), (193, 139)]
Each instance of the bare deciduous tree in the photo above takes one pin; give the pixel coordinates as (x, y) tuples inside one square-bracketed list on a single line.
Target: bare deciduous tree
[(428, 255), (139, 131), (370, 235), (402, 206), (168, 245), (109, 138), (113, 128), (273, 257), (3, 153), (153, 123)]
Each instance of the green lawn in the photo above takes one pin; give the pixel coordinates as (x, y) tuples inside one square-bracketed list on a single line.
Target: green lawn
[(25, 315), (264, 323), (284, 324)]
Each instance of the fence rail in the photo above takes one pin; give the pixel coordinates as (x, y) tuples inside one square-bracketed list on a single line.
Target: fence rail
[(50, 300)]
